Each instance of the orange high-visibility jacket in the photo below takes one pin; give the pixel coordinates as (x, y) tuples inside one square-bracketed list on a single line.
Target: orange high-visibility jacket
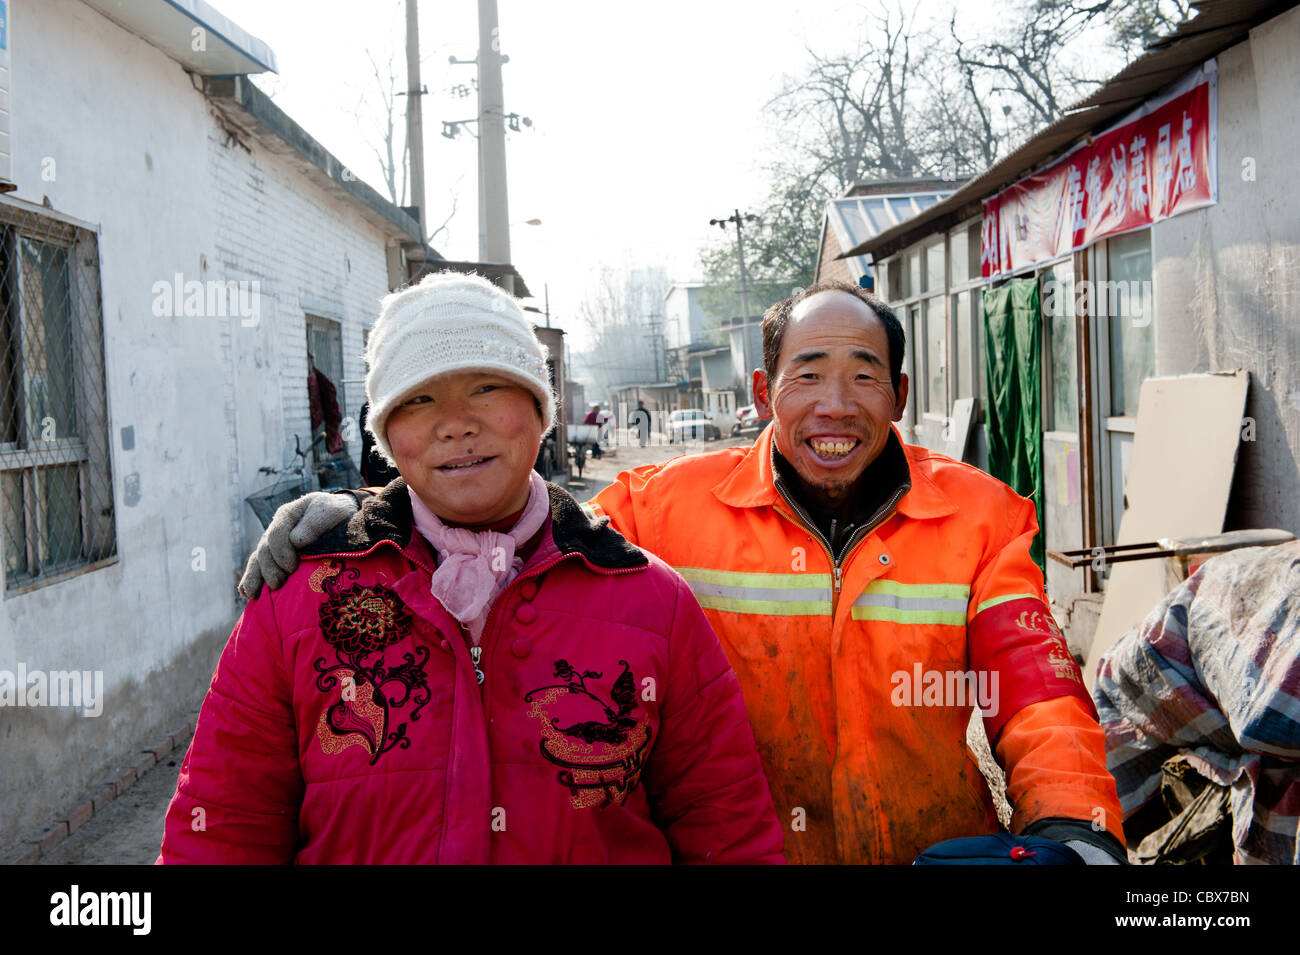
[(859, 678)]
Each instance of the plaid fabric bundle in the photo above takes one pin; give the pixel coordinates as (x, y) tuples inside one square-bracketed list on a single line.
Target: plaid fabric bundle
[(1214, 673)]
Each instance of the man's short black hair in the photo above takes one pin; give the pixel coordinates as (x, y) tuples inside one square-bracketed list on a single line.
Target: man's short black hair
[(776, 318)]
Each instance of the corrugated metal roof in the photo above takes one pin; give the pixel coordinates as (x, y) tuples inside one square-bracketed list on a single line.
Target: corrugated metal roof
[(857, 218), (1218, 25)]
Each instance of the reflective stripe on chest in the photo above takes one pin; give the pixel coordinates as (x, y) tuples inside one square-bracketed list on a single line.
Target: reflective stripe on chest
[(768, 594)]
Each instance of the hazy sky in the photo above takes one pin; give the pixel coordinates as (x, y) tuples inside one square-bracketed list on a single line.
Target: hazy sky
[(647, 117)]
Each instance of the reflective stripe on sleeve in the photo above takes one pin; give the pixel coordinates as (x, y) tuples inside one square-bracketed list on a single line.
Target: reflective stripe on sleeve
[(994, 601), (888, 600)]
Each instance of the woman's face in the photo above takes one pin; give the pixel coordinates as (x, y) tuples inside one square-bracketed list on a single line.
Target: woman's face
[(465, 442)]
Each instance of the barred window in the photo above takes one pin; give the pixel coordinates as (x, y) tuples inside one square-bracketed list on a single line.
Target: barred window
[(56, 488)]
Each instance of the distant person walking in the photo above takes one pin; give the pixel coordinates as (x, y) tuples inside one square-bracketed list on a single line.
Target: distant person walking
[(593, 417), (640, 418)]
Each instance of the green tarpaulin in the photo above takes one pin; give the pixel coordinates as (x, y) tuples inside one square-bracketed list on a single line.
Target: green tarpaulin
[(1013, 346)]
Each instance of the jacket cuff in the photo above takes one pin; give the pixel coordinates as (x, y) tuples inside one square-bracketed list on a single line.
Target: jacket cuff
[(1077, 830)]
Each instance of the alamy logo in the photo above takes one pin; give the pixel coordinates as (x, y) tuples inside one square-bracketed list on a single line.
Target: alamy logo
[(945, 688), (211, 299), (75, 688), (75, 907)]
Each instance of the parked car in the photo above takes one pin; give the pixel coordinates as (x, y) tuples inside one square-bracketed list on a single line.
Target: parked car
[(747, 420), (692, 423)]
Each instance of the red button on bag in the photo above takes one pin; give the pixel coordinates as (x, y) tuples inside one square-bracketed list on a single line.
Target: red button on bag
[(1020, 852)]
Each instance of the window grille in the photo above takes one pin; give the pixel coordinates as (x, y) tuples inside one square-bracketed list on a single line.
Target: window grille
[(56, 489)]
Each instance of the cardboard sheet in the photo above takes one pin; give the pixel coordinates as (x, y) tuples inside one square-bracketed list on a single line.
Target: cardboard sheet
[(1184, 454)]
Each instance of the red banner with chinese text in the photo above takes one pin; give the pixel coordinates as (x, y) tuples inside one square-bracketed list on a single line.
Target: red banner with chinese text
[(1156, 166)]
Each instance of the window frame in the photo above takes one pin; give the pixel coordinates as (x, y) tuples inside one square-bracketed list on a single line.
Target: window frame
[(92, 455)]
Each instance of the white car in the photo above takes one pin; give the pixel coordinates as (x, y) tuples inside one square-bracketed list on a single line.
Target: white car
[(692, 423)]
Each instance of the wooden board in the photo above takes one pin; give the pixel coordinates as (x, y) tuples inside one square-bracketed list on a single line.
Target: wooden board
[(1184, 454)]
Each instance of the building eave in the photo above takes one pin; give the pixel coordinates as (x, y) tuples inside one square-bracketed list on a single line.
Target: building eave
[(170, 26), (248, 114)]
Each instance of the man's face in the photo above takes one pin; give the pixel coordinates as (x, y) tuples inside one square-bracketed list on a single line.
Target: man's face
[(832, 400)]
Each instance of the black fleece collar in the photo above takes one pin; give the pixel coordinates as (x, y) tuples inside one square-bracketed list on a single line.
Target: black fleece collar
[(386, 516)]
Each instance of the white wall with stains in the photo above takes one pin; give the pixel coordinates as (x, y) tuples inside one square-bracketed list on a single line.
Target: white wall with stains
[(196, 404)]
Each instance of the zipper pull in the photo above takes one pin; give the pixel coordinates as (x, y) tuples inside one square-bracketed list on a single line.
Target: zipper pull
[(476, 654), (838, 574)]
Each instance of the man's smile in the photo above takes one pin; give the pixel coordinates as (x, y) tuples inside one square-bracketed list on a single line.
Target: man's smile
[(832, 448)]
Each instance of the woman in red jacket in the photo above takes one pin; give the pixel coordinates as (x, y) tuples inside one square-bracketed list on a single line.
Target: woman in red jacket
[(470, 670)]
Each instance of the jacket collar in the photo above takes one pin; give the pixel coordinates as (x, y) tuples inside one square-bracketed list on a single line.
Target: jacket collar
[(386, 516), (752, 482)]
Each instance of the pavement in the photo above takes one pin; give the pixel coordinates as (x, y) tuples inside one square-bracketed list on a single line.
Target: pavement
[(129, 830)]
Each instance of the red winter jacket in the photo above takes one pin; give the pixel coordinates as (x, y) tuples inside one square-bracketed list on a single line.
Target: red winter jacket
[(344, 723)]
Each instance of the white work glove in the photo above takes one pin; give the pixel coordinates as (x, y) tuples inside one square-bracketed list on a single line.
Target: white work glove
[(295, 525), (1091, 854)]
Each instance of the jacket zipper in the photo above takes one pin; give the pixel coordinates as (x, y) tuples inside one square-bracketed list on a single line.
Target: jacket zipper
[(883, 513), (489, 630)]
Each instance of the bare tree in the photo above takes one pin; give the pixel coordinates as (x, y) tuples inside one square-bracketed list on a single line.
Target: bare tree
[(389, 86), (907, 102), (623, 310), (1029, 62), (390, 130)]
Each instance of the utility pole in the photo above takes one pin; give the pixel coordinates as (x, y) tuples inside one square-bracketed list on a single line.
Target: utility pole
[(494, 217), (739, 220), (414, 120)]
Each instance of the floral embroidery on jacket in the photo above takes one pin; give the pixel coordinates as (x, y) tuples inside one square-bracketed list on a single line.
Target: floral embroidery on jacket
[(360, 622), (600, 760)]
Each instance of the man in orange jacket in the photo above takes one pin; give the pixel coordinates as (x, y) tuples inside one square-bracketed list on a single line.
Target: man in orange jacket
[(868, 594)]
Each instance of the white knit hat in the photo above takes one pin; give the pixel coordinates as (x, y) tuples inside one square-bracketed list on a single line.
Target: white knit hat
[(450, 321)]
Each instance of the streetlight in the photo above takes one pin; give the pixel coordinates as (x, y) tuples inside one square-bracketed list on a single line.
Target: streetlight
[(739, 220)]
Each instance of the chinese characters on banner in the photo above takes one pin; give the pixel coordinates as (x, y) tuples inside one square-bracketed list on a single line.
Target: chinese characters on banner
[(1154, 167)]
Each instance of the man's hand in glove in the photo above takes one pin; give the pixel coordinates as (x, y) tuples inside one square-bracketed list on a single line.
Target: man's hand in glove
[(294, 526)]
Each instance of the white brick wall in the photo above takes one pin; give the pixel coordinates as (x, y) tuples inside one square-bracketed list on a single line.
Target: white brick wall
[(275, 225)]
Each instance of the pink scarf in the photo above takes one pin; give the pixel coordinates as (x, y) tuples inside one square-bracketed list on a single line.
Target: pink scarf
[(474, 567)]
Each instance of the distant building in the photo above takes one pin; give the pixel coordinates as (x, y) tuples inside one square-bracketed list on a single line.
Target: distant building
[(865, 210)]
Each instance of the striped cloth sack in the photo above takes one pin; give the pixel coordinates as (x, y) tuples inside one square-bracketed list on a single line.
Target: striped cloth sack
[(1213, 672)]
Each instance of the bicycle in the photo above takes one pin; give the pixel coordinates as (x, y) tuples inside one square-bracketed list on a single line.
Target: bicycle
[(266, 501)]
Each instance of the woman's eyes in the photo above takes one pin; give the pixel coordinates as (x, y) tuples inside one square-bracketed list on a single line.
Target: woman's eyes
[(425, 399)]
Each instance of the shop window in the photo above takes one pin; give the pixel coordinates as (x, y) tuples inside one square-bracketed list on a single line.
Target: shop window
[(961, 379), (1056, 293), (1126, 298), (933, 267), (936, 357), (960, 260)]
